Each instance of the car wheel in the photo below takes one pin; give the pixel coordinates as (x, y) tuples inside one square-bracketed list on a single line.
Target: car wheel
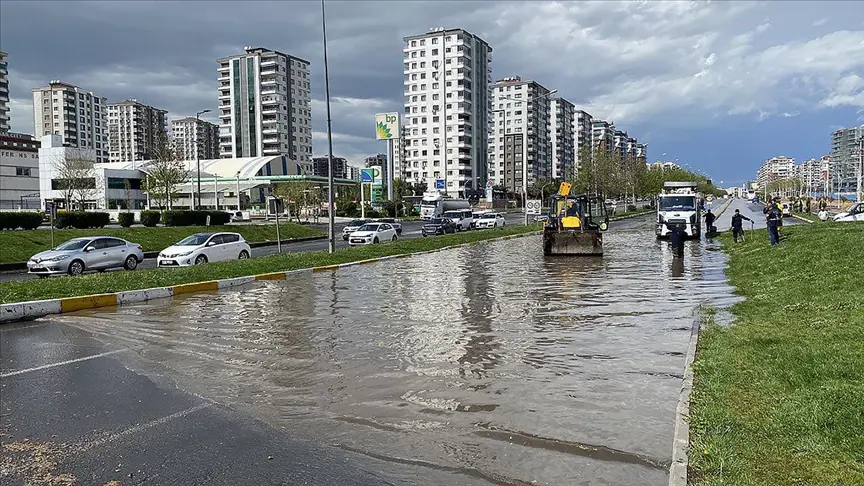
[(243, 255), (375, 241), (131, 263), (76, 267), (393, 240), (200, 259)]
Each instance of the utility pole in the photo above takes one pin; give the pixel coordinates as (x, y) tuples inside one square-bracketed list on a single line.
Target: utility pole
[(858, 192), (331, 240)]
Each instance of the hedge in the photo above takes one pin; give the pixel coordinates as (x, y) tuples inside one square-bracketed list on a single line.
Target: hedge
[(81, 219), (150, 218), (195, 218), (24, 220), (126, 219)]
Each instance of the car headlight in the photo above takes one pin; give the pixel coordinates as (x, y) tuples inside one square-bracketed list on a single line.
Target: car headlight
[(56, 258), (183, 254)]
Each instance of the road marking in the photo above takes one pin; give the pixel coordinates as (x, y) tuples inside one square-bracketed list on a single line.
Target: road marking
[(138, 428), (62, 363)]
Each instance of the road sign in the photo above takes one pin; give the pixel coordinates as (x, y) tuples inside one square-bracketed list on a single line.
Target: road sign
[(439, 184), (533, 206), (490, 183), (564, 190), (367, 175)]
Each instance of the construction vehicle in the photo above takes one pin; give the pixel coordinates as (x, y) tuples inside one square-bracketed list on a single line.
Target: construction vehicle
[(681, 205), (576, 224)]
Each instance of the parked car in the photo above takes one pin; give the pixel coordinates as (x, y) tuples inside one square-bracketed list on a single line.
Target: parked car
[(204, 247), (373, 233), (392, 222), (438, 226), (541, 218), (352, 227), (477, 215), (79, 255), (462, 218), (786, 208), (854, 213), (491, 220)]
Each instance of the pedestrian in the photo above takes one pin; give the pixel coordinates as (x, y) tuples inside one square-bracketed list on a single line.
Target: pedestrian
[(807, 205), (779, 221), (772, 217), (737, 224), (676, 238), (823, 204), (709, 221)]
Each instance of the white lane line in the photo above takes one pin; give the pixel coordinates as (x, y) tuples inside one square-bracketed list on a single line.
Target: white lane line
[(62, 363), (141, 427)]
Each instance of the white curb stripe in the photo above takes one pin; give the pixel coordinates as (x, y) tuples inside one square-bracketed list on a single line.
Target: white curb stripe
[(62, 363)]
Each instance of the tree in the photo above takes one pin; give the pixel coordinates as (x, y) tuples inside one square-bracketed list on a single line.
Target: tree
[(164, 172), (75, 176)]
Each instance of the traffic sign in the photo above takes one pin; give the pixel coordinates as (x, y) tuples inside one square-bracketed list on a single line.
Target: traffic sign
[(439, 184), (490, 183), (533, 206)]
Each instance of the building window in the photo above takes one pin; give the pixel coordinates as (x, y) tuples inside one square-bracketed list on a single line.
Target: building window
[(22, 171)]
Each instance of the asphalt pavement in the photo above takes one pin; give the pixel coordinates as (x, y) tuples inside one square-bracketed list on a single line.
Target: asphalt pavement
[(750, 210), (410, 229)]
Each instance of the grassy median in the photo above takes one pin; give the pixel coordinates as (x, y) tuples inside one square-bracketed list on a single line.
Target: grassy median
[(28, 290), (19, 246), (779, 395)]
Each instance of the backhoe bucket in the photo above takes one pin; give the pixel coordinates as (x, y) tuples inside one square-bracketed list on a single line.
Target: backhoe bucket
[(573, 243)]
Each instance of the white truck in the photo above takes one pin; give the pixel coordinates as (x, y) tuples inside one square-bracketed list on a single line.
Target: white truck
[(679, 204), (434, 204)]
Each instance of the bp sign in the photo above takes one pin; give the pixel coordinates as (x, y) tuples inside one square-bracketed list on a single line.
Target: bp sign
[(387, 126), (371, 175)]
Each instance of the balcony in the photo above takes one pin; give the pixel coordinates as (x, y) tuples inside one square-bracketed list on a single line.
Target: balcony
[(224, 96), (270, 61), (269, 111)]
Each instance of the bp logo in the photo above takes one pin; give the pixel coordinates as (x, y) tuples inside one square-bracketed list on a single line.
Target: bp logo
[(387, 126), (383, 131)]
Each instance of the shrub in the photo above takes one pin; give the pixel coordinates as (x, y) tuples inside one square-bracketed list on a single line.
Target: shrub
[(24, 219), (150, 218), (126, 219), (195, 218), (81, 219), (631, 207)]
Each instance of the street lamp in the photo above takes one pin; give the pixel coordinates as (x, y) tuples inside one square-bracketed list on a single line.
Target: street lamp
[(331, 241), (525, 148), (858, 192), (198, 154)]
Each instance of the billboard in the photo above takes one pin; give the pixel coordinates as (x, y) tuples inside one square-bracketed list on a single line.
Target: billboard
[(371, 175), (387, 126)]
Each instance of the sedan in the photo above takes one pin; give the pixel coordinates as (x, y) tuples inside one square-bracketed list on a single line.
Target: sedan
[(373, 233), (78, 255), (491, 220), (352, 227), (201, 248), (854, 213), (392, 222), (438, 226)]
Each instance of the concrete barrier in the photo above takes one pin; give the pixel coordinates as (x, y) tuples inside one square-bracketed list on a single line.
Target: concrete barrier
[(31, 310)]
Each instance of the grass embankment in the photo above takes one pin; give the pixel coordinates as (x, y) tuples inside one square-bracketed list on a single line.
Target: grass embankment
[(809, 217), (28, 290), (626, 214), (18, 246), (779, 395)]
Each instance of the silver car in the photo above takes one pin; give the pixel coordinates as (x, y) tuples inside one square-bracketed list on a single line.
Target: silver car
[(79, 255)]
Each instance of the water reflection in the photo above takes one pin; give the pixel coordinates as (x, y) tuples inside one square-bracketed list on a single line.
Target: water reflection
[(489, 360)]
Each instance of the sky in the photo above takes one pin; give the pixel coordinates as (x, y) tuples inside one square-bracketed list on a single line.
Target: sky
[(720, 86)]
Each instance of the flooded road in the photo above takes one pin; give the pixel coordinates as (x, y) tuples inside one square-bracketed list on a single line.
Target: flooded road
[(490, 362)]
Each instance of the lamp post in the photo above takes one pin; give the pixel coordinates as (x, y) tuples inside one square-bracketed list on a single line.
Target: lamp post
[(525, 148), (860, 189), (238, 190), (198, 153), (331, 241)]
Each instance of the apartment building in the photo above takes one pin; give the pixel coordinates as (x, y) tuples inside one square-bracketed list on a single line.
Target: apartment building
[(562, 126), (621, 142), (521, 129), (447, 109), (193, 138), (79, 117), (133, 128), (4, 93), (353, 173), (19, 170), (845, 144), (378, 159), (813, 173), (321, 166), (641, 152), (265, 106), (602, 135), (583, 126), (776, 169)]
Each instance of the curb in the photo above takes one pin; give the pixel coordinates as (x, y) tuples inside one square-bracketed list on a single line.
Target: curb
[(799, 218), (681, 439), (153, 254), (41, 308)]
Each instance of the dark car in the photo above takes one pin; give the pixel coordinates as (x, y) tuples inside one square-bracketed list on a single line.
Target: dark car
[(438, 226), (393, 222)]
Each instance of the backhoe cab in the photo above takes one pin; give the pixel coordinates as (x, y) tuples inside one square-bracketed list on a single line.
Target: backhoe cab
[(575, 225)]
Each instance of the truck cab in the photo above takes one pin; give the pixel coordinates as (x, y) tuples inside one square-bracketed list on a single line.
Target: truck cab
[(679, 204)]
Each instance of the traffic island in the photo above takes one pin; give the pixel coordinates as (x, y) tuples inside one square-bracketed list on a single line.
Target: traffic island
[(779, 395), (35, 298)]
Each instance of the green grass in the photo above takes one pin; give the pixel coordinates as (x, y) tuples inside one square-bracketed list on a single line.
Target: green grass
[(779, 395), (28, 290), (18, 246), (809, 217), (631, 213)]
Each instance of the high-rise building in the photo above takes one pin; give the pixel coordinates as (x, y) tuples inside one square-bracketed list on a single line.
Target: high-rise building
[(776, 169), (133, 128), (563, 132), (621, 143), (79, 117), (447, 109), (265, 106), (378, 159), (321, 167), (193, 138), (520, 129), (4, 93), (642, 152), (844, 159), (583, 125), (602, 135), (353, 173)]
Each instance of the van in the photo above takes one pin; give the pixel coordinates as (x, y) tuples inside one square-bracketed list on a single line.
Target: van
[(462, 218)]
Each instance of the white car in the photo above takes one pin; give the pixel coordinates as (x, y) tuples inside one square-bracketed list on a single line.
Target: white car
[(352, 227), (854, 213), (372, 233), (490, 220), (205, 247)]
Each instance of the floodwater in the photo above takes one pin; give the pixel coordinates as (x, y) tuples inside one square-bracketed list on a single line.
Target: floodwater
[(492, 362)]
